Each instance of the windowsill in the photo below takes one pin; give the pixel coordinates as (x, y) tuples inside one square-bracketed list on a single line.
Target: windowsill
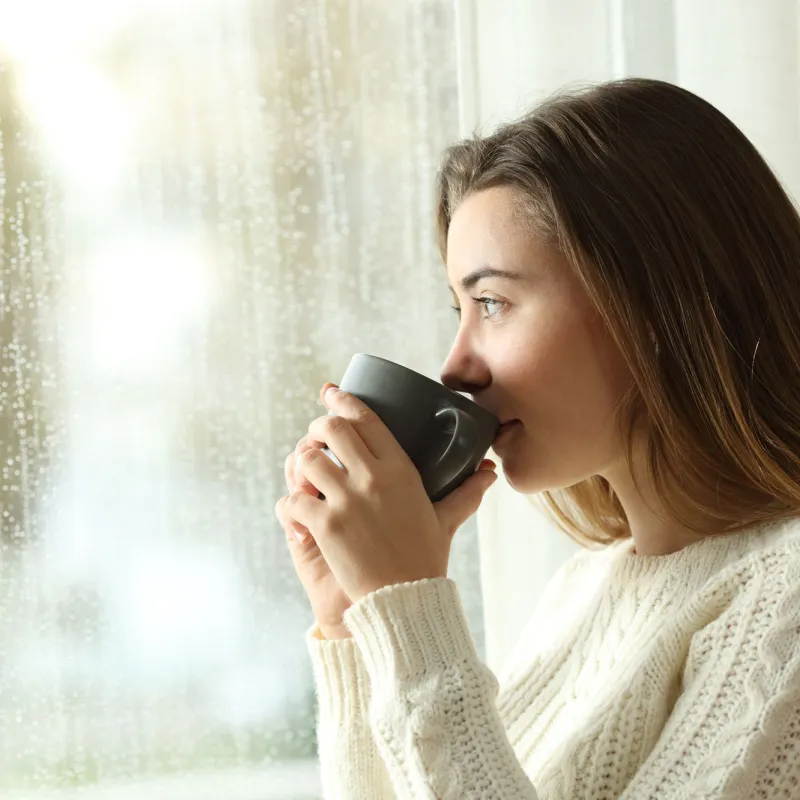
[(288, 780)]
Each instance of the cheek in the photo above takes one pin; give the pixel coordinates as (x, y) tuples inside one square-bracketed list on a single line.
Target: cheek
[(577, 378), (609, 372), (575, 382)]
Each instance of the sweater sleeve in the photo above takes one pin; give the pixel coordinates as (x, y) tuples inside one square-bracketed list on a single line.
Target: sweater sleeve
[(432, 707), (734, 731), (351, 767)]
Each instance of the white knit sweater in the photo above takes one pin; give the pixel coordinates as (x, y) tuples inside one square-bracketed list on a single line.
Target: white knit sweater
[(673, 676)]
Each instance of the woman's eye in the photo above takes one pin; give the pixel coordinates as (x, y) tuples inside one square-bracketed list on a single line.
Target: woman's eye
[(488, 303)]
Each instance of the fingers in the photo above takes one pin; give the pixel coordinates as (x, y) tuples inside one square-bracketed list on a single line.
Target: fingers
[(458, 506), (294, 530), (291, 475), (325, 389), (300, 481), (288, 472), (342, 438), (314, 468), (372, 431), (299, 508)]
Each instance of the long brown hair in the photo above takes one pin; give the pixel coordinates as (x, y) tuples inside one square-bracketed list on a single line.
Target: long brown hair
[(689, 247)]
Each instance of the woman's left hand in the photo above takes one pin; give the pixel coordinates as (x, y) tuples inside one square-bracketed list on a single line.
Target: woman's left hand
[(376, 526)]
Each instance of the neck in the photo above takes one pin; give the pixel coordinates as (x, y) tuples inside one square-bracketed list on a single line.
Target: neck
[(654, 533)]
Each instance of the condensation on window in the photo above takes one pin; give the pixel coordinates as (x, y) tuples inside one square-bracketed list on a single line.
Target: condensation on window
[(205, 210)]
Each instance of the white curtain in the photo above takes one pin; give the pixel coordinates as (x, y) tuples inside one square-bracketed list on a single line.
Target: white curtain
[(740, 55)]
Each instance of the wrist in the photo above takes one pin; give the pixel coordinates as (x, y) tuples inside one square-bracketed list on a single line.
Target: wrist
[(334, 632)]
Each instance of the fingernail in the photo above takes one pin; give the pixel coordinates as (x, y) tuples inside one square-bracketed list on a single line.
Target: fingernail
[(331, 390), (301, 537)]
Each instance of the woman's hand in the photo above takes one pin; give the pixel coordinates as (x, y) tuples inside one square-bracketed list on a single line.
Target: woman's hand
[(328, 599), (376, 526)]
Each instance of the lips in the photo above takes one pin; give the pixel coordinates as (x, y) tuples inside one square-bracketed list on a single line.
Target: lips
[(504, 426)]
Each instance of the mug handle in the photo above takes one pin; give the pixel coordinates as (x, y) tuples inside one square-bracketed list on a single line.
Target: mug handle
[(464, 435)]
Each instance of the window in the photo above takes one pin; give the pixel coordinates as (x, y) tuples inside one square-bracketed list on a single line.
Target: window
[(202, 217)]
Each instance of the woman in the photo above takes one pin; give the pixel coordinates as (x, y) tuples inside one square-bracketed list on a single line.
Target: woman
[(627, 273)]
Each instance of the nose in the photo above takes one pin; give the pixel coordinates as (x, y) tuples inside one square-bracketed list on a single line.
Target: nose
[(464, 370)]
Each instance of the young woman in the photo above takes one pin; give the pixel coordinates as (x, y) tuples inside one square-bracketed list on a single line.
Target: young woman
[(627, 273)]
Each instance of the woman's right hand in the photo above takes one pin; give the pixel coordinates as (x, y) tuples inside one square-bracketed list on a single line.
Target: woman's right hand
[(328, 600)]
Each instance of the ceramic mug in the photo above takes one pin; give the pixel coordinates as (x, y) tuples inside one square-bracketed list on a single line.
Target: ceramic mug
[(445, 434)]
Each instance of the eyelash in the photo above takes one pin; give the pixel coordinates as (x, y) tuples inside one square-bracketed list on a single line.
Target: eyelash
[(482, 301)]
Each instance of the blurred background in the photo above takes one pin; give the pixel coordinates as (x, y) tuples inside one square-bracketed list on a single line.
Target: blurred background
[(206, 207)]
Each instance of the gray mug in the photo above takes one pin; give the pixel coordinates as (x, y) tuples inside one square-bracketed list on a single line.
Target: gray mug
[(445, 435)]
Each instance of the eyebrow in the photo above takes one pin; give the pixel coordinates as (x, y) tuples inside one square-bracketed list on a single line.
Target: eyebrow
[(470, 280)]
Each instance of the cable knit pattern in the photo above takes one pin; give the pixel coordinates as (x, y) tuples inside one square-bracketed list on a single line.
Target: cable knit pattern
[(674, 676)]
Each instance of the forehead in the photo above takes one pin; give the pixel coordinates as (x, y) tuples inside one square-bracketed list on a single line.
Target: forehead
[(490, 230), (488, 213)]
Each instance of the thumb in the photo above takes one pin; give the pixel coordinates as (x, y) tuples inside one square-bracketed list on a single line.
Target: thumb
[(458, 506)]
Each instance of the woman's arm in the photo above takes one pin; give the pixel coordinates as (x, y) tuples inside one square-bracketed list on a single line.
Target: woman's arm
[(432, 707), (351, 767)]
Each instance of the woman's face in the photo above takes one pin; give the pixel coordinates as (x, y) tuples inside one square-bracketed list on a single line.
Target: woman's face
[(531, 348)]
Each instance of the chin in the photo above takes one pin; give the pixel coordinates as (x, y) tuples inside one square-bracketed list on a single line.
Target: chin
[(521, 478), (525, 484), (527, 478), (524, 472)]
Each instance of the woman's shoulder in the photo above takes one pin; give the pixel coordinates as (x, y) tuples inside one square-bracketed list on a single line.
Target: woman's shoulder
[(780, 536), (756, 587), (752, 605), (768, 550)]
